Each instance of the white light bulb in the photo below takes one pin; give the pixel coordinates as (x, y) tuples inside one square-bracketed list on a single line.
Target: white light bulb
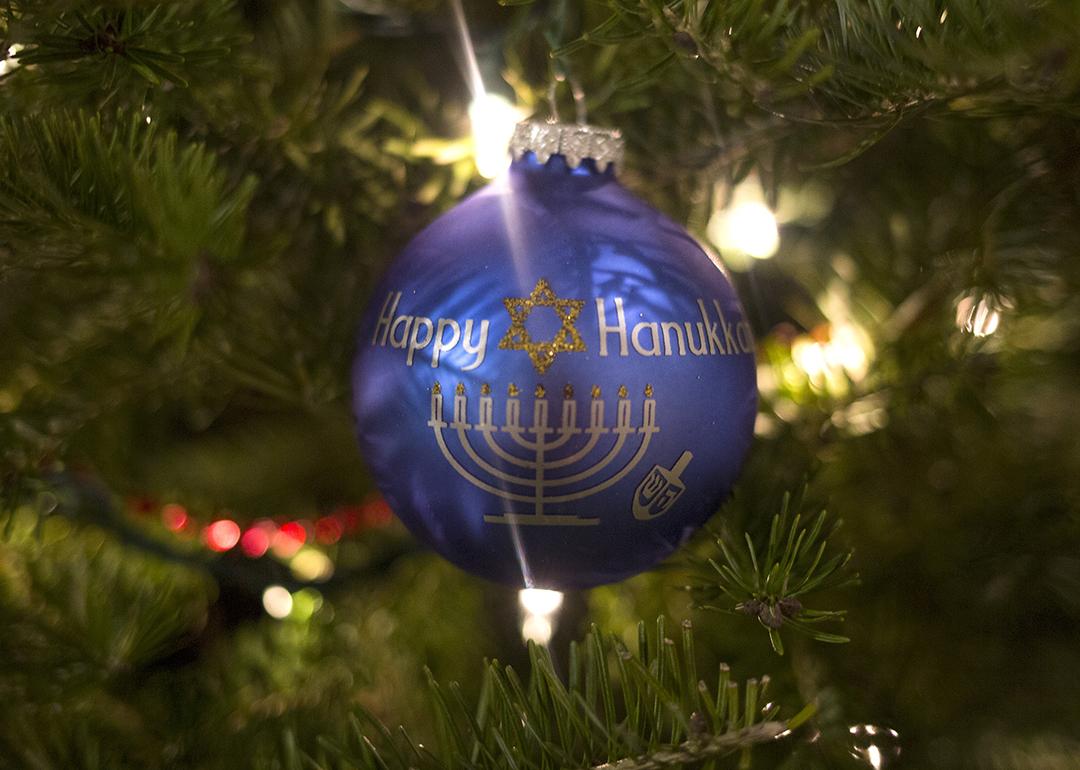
[(277, 601), (540, 601), (493, 120), (536, 629), (9, 62), (748, 227)]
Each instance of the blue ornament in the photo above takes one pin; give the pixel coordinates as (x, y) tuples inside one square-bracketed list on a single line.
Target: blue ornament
[(555, 386)]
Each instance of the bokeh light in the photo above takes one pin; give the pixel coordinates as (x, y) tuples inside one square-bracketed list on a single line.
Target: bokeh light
[(493, 119), (255, 541), (289, 538), (312, 565), (540, 601), (536, 628), (745, 227), (222, 534), (174, 517), (979, 315), (277, 601)]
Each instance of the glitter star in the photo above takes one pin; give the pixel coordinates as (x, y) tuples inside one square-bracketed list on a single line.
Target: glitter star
[(566, 339)]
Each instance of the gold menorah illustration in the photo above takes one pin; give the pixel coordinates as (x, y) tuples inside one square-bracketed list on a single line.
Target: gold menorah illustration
[(544, 468)]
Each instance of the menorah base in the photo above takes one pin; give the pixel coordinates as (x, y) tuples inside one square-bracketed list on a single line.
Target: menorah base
[(540, 519)]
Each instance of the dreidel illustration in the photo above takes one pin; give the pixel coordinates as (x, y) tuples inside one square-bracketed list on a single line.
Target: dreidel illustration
[(660, 488)]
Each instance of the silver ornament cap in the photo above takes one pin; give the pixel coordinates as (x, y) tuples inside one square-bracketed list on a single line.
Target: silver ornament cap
[(576, 142)]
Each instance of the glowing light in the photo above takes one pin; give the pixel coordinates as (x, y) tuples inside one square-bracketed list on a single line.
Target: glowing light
[(174, 516), (873, 756), (329, 529), (306, 602), (288, 539), (979, 314), (311, 565), (536, 628), (877, 746), (832, 356), (751, 228), (747, 227), (9, 62), (222, 535), (277, 601), (255, 542), (540, 601), (540, 606), (493, 119)]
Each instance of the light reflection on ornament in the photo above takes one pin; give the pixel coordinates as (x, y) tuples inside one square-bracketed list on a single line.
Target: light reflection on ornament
[(877, 746), (277, 601), (222, 535), (979, 315), (493, 119)]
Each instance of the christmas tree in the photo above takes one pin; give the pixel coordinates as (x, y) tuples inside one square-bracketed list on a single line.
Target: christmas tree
[(196, 568)]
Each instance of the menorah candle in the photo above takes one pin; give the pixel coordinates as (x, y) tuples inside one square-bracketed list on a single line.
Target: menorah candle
[(569, 415), (487, 408), (540, 413), (436, 404), (555, 280), (513, 411), (623, 420), (596, 413), (460, 405)]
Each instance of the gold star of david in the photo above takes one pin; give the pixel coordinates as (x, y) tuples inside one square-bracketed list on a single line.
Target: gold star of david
[(566, 339)]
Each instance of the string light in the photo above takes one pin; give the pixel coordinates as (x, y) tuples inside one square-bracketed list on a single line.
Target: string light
[(289, 539), (311, 565), (256, 541), (747, 227), (174, 517), (9, 62), (222, 535), (493, 119), (540, 606), (832, 356), (277, 601)]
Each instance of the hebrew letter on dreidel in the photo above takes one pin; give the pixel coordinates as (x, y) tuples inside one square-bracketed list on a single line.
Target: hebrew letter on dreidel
[(659, 490)]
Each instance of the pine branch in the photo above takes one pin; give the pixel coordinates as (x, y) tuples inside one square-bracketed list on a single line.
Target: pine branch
[(693, 752), (770, 581), (115, 49), (618, 709), (851, 61)]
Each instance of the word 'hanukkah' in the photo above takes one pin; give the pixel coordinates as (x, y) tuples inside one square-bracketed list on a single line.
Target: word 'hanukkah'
[(538, 464)]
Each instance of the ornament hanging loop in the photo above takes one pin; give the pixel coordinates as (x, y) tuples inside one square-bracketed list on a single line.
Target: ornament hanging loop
[(560, 73)]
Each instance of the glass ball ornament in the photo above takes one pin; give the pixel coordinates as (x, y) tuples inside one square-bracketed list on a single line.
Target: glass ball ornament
[(878, 747), (554, 385)]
